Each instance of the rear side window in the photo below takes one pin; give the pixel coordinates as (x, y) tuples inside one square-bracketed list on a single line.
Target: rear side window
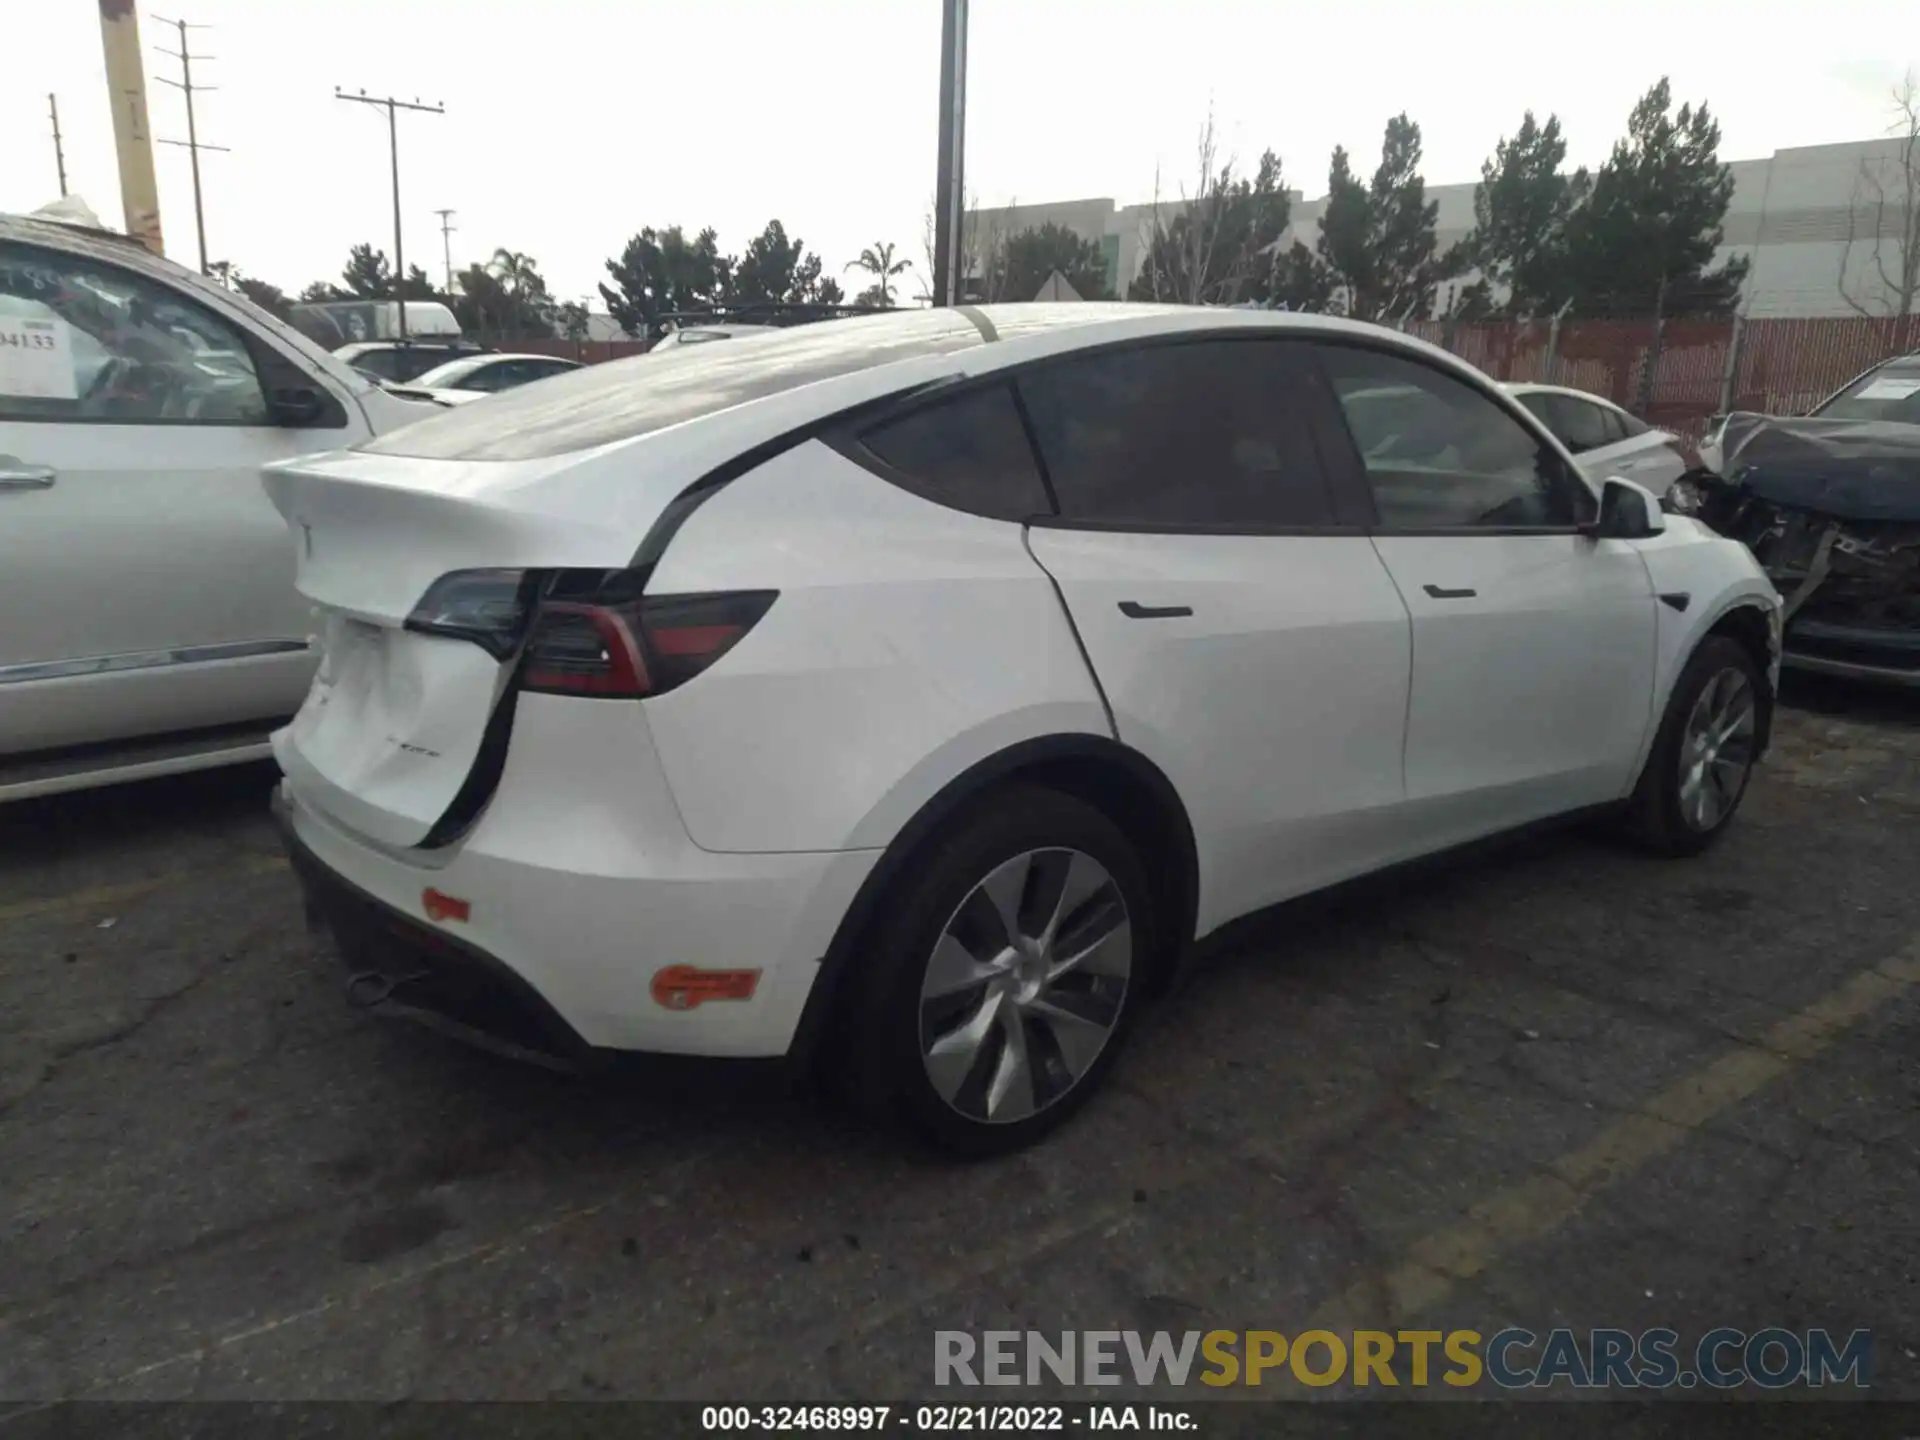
[(1211, 435), (1580, 424), (969, 452)]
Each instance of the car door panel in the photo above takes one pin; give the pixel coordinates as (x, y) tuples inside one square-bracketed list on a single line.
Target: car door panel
[(1533, 661), (1244, 632), (1267, 676), (1533, 644), (149, 585)]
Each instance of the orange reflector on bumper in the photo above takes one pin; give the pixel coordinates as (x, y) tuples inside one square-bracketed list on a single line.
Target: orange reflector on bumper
[(444, 907), (681, 987)]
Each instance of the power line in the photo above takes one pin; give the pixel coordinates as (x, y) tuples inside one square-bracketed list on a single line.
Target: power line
[(59, 153), (446, 245), (393, 106), (191, 144)]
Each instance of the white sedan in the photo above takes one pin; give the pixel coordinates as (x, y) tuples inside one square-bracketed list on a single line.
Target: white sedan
[(909, 693), (474, 377), (151, 624), (1605, 439)]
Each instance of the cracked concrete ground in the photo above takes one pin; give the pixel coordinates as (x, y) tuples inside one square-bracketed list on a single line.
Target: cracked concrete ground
[(1551, 1086)]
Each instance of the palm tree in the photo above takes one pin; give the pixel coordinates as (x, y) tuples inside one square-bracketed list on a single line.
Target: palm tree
[(877, 260), (515, 270)]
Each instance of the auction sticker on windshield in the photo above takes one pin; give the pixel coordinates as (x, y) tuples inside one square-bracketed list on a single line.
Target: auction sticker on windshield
[(1889, 389), (36, 359)]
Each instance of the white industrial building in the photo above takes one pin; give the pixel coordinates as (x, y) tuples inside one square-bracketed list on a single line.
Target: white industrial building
[(1805, 216)]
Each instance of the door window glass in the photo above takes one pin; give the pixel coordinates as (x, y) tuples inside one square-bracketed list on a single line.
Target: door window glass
[(1440, 454), (1199, 435), (82, 341)]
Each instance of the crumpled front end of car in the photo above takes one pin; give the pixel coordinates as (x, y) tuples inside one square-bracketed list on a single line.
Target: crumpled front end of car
[(1831, 510)]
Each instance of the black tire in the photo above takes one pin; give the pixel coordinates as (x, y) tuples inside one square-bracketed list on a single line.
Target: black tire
[(881, 1067), (1656, 817)]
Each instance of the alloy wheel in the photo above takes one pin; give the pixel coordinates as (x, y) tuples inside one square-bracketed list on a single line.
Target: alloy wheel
[(1025, 985), (1717, 749)]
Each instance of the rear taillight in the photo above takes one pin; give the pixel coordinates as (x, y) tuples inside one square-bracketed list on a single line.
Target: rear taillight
[(488, 607), (631, 648)]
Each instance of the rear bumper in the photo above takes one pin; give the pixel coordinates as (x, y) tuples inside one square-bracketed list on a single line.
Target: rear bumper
[(561, 963)]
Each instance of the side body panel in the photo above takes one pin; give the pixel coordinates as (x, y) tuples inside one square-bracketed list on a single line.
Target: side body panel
[(908, 643)]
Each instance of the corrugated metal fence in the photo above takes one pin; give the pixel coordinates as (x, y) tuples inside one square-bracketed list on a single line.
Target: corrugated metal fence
[(1698, 367)]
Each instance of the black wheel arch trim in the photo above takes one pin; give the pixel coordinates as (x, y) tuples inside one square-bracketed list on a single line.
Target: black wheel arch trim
[(836, 966)]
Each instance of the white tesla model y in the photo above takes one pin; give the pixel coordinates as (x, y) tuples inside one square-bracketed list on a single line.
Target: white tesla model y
[(912, 691)]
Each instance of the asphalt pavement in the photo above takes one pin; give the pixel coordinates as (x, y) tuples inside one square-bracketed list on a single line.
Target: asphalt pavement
[(1559, 1084)]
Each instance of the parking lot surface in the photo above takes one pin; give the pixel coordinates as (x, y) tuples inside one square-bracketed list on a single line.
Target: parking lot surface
[(1562, 1084)]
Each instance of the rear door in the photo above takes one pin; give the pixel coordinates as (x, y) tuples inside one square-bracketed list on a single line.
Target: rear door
[(1246, 636), (1533, 643), (146, 582)]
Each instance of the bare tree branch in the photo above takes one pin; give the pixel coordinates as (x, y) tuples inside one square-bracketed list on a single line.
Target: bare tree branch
[(1895, 252)]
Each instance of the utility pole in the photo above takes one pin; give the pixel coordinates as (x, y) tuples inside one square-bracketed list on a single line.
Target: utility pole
[(132, 141), (949, 202), (59, 153), (446, 247), (393, 106), (191, 144)]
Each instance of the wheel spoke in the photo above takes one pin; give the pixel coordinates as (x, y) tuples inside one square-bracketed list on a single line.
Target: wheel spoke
[(1104, 946), (1694, 800), (954, 969), (1737, 719), (1080, 879), (952, 1057), (1010, 1093), (1078, 1034), (1006, 889)]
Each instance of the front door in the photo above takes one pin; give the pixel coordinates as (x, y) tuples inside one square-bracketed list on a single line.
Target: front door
[(146, 583), (1533, 643)]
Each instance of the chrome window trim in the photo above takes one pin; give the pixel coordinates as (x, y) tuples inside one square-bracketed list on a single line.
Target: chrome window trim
[(147, 660)]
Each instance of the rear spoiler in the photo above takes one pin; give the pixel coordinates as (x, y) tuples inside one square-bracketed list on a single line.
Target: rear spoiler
[(407, 392)]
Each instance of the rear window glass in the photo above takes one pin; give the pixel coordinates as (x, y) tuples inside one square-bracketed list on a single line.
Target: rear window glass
[(623, 399), (969, 452)]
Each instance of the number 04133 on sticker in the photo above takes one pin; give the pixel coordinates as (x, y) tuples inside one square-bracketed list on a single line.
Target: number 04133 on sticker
[(36, 358)]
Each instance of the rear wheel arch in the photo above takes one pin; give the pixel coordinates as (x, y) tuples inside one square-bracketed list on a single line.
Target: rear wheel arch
[(1118, 781)]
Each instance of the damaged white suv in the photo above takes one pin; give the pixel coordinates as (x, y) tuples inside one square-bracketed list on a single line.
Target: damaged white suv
[(926, 684)]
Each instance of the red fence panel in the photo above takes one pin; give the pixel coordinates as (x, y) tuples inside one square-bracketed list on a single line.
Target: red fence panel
[(1782, 367)]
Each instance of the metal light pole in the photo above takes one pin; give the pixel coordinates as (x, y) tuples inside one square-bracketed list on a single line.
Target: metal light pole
[(446, 247), (59, 150), (393, 107), (949, 202), (191, 144)]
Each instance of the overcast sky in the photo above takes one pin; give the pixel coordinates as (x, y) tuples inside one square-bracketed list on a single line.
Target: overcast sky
[(570, 124)]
